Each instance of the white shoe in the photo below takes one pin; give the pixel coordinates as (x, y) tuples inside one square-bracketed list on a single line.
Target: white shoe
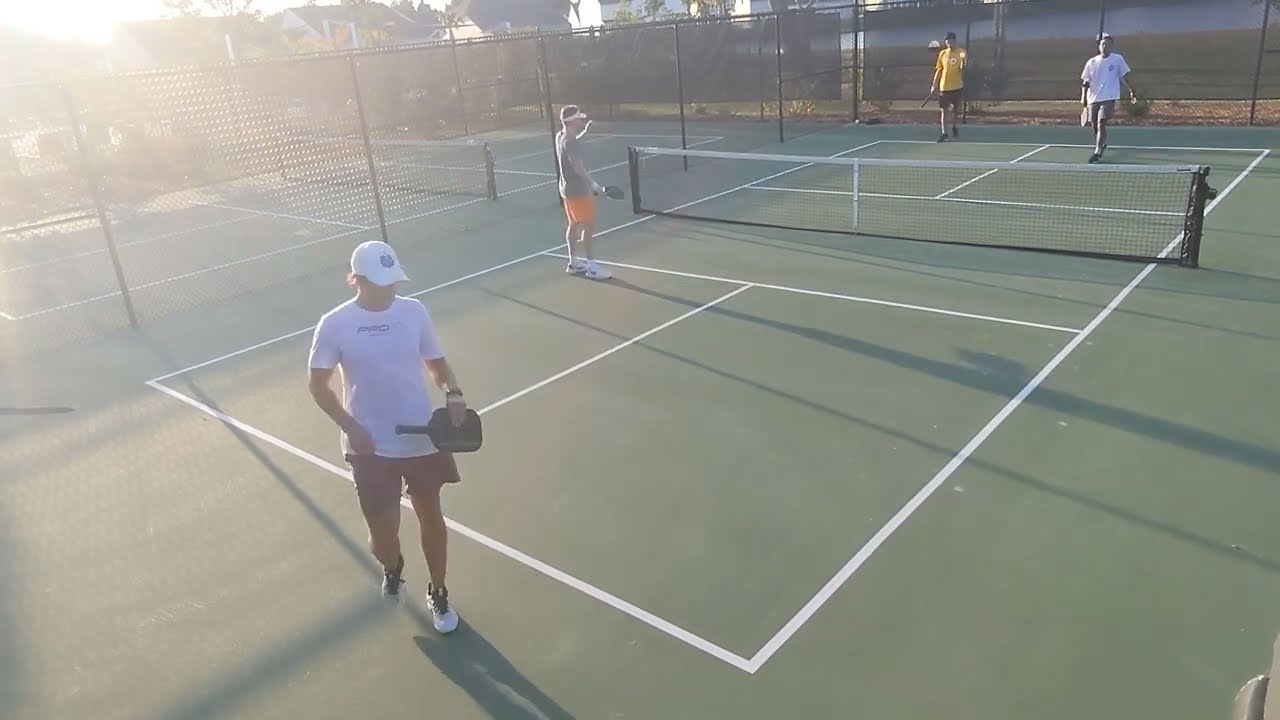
[(595, 272), (443, 616), (576, 267)]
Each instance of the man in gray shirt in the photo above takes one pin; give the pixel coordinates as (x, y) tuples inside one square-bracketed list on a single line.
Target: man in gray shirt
[(578, 190)]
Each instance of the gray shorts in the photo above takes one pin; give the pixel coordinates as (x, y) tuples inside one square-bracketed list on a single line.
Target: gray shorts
[(1101, 111)]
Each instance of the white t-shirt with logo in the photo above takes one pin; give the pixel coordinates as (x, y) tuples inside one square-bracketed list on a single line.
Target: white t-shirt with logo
[(1103, 75), (380, 358)]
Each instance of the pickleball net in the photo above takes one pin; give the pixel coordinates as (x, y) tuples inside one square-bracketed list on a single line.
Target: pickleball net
[(1148, 213)]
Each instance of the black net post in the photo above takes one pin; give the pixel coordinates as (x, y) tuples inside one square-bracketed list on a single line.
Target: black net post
[(91, 180), (368, 147), (1193, 227), (1102, 18), (1262, 51), (633, 171), (684, 137), (550, 108), (457, 76), (777, 37)]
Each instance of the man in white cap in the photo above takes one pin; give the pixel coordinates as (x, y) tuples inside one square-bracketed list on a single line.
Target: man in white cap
[(1100, 81), (380, 341), (578, 190)]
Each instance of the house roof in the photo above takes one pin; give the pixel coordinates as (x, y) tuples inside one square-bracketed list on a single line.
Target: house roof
[(494, 15), (407, 27)]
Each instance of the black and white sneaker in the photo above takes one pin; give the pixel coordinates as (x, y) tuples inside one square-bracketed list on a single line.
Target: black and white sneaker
[(942, 137), (392, 582), (443, 616), (1094, 158)]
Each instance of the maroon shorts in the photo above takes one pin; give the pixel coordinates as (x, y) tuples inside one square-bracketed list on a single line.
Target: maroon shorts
[(380, 480)]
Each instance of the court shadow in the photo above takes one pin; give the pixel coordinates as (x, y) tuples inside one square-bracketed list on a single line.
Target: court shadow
[(14, 661), (1113, 274), (1217, 547), (218, 697), (480, 669)]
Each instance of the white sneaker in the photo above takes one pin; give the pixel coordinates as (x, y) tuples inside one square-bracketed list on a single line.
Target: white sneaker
[(443, 616), (595, 272), (576, 267)]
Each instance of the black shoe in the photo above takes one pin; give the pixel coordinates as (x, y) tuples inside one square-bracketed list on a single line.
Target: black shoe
[(392, 582), (1094, 158), (942, 137)]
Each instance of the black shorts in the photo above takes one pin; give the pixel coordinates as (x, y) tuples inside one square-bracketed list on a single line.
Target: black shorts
[(950, 98)]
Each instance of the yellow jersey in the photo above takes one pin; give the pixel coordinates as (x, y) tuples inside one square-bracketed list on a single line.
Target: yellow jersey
[(950, 69)]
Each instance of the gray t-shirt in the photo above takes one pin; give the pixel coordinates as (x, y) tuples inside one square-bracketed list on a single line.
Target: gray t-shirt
[(572, 183)]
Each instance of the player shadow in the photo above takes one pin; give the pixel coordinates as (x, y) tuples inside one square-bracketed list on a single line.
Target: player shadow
[(484, 673), (1223, 549)]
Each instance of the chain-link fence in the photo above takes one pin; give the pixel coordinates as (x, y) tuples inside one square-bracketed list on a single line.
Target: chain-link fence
[(158, 192), (1193, 61)]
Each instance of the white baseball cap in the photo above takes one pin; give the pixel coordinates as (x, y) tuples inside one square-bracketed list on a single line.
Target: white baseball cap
[(376, 261)]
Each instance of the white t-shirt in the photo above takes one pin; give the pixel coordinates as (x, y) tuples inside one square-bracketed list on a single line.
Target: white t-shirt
[(380, 358), (1103, 75)]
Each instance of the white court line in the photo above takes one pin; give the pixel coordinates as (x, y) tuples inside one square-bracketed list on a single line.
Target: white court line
[(702, 140), (283, 216), (99, 251), (615, 348), (240, 261), (972, 201), (193, 273), (470, 169), (1120, 147), (603, 596), (835, 296), (967, 183), (7, 316), (833, 585)]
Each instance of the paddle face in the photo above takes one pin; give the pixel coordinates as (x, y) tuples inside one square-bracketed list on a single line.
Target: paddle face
[(613, 192), (464, 438), (1084, 117)]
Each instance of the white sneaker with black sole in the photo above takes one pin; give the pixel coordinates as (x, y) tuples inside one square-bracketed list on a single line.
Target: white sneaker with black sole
[(576, 267), (392, 583), (595, 272), (443, 616)]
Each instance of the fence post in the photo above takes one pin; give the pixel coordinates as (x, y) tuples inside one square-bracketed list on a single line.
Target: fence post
[(857, 56), (968, 38), (95, 191), (550, 108), (777, 38), (368, 148), (684, 138), (457, 76), (1262, 51), (1102, 18)]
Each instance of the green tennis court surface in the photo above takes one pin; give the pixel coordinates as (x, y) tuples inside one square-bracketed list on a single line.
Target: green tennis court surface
[(760, 473)]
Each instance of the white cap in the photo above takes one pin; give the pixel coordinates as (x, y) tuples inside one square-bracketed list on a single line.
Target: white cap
[(376, 261)]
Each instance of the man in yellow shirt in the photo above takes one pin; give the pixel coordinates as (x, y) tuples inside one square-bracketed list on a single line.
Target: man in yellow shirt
[(949, 78)]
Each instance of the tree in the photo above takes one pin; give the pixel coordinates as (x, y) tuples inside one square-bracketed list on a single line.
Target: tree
[(624, 14), (654, 9), (223, 8)]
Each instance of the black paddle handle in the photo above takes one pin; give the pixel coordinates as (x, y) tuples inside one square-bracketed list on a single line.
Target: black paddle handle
[(411, 429)]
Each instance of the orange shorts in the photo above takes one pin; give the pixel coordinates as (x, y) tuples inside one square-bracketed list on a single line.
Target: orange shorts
[(580, 210)]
